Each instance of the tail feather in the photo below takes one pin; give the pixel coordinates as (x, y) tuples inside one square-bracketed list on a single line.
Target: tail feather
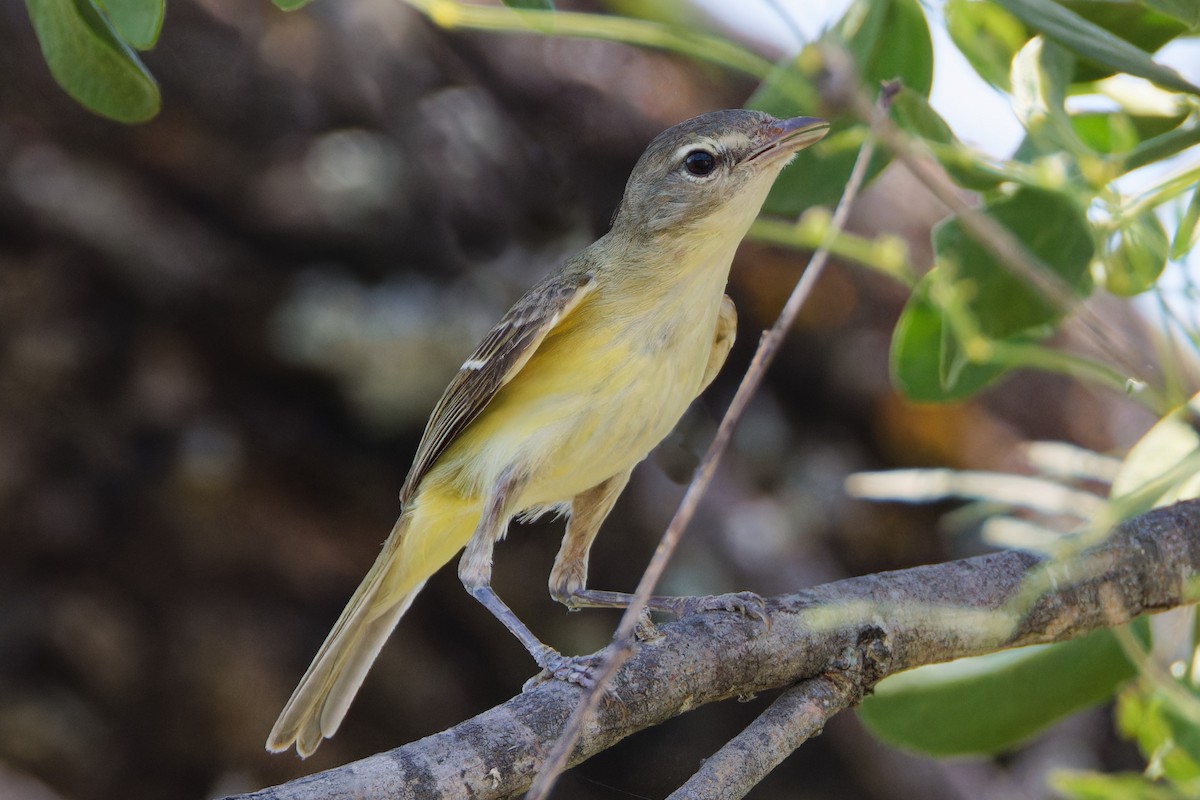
[(320, 701), (370, 642)]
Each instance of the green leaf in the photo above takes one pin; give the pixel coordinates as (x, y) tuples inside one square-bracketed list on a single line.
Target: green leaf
[(1051, 227), (1106, 132), (1188, 232), (888, 39), (1166, 738), (138, 22), (987, 35), (923, 351), (1137, 255), (1186, 11), (91, 63), (543, 5), (1161, 147), (1041, 73), (290, 5), (927, 361), (1094, 42), (1135, 22), (991, 703), (1122, 786), (1161, 449)]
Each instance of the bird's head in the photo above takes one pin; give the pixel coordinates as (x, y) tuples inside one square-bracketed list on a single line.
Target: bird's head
[(710, 174)]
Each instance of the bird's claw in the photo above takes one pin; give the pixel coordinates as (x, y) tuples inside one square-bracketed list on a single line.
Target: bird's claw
[(578, 670), (748, 604)]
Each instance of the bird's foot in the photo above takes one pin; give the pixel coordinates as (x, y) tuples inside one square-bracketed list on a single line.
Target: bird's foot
[(579, 670), (748, 604)]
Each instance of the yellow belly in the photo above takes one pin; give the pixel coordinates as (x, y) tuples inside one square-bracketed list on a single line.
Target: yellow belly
[(594, 399)]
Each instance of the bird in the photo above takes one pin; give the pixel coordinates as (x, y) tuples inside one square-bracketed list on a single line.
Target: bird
[(575, 385)]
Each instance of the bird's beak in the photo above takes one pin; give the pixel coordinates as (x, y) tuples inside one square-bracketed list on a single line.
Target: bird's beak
[(788, 136)]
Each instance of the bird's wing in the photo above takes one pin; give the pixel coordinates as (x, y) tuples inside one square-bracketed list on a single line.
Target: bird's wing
[(495, 361)]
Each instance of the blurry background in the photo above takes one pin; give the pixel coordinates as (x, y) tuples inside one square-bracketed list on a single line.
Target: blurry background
[(221, 333)]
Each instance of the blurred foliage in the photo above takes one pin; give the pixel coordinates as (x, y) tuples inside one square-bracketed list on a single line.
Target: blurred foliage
[(968, 320), (544, 5), (1167, 732), (989, 704)]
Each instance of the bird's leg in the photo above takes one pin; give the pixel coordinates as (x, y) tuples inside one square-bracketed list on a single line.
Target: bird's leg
[(568, 579), (475, 572), (748, 604)]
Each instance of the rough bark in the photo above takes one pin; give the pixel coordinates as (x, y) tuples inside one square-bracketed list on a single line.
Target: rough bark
[(859, 630)]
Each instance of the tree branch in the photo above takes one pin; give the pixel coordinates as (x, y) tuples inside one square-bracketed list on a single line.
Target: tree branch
[(797, 715), (877, 624)]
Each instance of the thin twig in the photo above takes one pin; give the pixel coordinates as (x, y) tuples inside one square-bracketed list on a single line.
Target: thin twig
[(623, 640), (797, 715), (1001, 242)]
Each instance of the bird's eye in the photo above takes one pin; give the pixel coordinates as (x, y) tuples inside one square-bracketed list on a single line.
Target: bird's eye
[(699, 163)]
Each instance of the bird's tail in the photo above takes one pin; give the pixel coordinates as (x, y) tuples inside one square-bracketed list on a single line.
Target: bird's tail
[(416, 548)]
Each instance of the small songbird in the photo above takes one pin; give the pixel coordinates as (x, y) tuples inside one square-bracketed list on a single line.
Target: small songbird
[(571, 389)]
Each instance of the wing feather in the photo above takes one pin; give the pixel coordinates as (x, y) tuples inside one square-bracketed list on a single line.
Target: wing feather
[(499, 357)]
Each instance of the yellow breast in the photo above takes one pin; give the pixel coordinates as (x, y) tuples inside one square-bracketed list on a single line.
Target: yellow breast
[(601, 391)]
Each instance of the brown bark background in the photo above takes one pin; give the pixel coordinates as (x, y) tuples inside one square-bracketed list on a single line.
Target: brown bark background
[(220, 334)]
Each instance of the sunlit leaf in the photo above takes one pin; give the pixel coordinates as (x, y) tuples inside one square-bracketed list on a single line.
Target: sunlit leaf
[(1106, 132), (1041, 73), (542, 5), (987, 35), (90, 61), (1137, 256), (1188, 232), (291, 5), (1172, 439), (992, 703), (1094, 42), (1186, 11), (1073, 785), (1172, 742)]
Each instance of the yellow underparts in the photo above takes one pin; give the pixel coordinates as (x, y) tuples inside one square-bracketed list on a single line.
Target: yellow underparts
[(599, 393), (603, 388)]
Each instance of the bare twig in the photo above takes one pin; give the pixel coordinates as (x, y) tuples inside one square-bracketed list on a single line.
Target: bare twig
[(623, 640), (796, 716), (889, 622)]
